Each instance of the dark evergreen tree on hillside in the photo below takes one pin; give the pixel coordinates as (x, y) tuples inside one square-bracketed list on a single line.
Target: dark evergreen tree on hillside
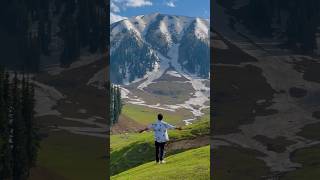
[(32, 28), (83, 24), (31, 135), (111, 106), (131, 60), (194, 54), (44, 26), (18, 134), (71, 42), (294, 20), (5, 150), (115, 104), (119, 105), (19, 139)]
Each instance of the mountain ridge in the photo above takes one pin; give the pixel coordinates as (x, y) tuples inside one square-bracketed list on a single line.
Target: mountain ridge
[(139, 43), (164, 14)]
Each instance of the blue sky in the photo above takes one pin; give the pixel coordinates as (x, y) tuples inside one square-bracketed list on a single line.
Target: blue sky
[(120, 9)]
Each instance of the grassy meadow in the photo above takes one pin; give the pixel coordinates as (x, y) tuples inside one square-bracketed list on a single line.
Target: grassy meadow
[(74, 156), (130, 150), (145, 115), (185, 165)]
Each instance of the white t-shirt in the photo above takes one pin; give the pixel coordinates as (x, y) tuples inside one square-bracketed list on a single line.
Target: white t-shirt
[(160, 130)]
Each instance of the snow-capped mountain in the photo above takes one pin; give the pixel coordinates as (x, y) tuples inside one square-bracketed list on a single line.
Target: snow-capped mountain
[(142, 43)]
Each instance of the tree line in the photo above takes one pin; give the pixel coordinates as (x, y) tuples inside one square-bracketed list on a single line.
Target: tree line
[(19, 136), (35, 25), (83, 25), (115, 104), (131, 60), (295, 21)]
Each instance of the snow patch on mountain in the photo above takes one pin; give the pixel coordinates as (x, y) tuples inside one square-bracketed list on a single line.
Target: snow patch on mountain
[(170, 26), (163, 28), (173, 73), (98, 80), (131, 27), (157, 72), (46, 97), (195, 104), (171, 29), (201, 29)]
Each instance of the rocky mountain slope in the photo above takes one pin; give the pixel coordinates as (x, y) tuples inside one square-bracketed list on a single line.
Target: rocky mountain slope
[(139, 45)]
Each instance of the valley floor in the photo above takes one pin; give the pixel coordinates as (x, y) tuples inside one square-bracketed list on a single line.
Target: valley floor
[(271, 124), (71, 115)]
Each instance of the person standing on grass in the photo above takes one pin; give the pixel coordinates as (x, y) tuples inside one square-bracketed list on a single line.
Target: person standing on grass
[(160, 135)]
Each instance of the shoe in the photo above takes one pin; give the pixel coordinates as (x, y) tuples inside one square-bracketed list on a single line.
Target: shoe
[(157, 162), (163, 162)]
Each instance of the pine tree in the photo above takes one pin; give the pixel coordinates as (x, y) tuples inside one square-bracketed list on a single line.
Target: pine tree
[(26, 117), (32, 131), (104, 26), (115, 104), (5, 151), (2, 125), (18, 134), (19, 137), (119, 107), (111, 106)]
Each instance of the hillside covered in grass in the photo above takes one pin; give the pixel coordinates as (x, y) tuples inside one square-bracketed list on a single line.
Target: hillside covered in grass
[(130, 150), (179, 166)]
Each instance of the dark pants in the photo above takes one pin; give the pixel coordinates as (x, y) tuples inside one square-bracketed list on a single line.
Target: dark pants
[(159, 150)]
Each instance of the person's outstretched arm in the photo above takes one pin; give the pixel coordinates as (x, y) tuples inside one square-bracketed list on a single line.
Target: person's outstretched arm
[(142, 130), (169, 126)]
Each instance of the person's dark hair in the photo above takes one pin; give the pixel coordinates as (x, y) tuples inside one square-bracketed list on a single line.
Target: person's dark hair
[(160, 116)]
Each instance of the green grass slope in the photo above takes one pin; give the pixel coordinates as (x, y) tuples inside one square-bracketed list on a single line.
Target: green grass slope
[(309, 158), (185, 165), (74, 157), (134, 149), (144, 115)]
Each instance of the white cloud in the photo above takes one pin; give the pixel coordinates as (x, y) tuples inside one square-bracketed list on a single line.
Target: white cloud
[(170, 4), (138, 3), (117, 6), (115, 18), (114, 7)]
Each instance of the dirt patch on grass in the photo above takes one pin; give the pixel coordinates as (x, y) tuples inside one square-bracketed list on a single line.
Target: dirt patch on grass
[(163, 92), (174, 92), (55, 121), (125, 125), (188, 143)]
